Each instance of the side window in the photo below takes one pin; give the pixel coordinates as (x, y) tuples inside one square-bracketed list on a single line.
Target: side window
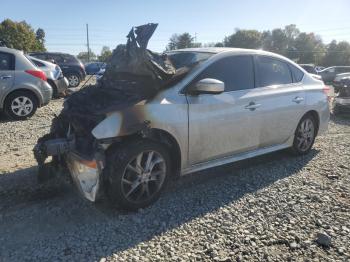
[(7, 62), (272, 72), (237, 72), (56, 58), (296, 73)]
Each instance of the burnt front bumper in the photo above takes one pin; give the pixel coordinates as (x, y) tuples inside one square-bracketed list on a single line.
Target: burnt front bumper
[(84, 171)]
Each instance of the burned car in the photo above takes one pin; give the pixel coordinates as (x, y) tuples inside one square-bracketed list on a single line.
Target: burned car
[(154, 116)]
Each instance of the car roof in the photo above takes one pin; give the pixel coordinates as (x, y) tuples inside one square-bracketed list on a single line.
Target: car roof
[(51, 53), (218, 50), (10, 50)]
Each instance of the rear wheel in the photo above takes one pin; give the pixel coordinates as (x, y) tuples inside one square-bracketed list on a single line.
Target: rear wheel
[(20, 105), (305, 135), (137, 173)]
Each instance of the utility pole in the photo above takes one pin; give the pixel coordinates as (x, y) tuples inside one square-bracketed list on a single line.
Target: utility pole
[(87, 41)]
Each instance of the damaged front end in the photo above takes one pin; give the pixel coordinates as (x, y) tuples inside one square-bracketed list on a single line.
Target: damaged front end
[(342, 99), (100, 115)]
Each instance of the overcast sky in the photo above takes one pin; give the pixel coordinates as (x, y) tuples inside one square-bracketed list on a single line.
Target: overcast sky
[(109, 21)]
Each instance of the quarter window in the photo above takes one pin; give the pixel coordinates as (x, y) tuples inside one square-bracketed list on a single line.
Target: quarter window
[(297, 73), (6, 62), (236, 72), (272, 72)]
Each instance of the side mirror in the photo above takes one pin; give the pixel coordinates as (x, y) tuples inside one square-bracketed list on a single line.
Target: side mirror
[(208, 86)]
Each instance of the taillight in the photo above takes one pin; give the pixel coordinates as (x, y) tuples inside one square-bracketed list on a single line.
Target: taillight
[(37, 73), (327, 90)]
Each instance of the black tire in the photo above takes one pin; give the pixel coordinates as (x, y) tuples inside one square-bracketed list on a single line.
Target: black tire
[(297, 149), (116, 171), (10, 100), (73, 79)]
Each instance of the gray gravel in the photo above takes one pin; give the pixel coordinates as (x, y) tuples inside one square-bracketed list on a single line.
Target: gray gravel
[(272, 208)]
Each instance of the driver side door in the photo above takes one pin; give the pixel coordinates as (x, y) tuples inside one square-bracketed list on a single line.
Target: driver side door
[(223, 124)]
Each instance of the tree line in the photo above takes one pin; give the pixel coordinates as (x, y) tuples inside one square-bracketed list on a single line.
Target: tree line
[(289, 41)]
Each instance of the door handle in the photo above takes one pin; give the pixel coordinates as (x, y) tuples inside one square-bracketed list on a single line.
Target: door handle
[(252, 106), (5, 77), (298, 99)]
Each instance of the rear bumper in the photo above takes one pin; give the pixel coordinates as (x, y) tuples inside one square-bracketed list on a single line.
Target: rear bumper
[(61, 85), (46, 92), (341, 105)]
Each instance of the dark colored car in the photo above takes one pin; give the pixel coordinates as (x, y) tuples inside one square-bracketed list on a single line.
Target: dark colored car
[(309, 68), (94, 67), (72, 68), (330, 73), (342, 100)]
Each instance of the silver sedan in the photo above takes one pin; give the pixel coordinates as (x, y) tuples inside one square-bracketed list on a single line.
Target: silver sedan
[(233, 104)]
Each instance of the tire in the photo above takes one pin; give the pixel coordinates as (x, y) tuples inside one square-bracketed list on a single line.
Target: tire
[(20, 105), (304, 140), (73, 79), (131, 187)]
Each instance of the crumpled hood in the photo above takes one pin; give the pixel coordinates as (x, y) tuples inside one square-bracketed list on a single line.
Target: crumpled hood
[(133, 74)]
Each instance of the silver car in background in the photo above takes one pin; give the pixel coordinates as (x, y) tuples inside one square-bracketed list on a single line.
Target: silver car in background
[(54, 76), (23, 86), (233, 104)]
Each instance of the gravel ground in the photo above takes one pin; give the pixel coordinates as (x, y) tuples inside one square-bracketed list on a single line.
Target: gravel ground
[(272, 208)]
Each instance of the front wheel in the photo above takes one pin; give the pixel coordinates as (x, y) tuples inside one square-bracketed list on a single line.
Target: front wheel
[(137, 173), (305, 135)]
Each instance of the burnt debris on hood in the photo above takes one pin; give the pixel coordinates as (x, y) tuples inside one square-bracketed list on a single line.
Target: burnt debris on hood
[(133, 74)]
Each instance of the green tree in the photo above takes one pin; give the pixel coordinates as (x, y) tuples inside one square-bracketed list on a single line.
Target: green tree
[(337, 54), (21, 36), (106, 53), (184, 40), (309, 48), (250, 39), (40, 37), (84, 56)]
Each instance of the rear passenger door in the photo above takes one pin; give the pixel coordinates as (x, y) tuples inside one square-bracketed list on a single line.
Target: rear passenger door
[(7, 72), (282, 98)]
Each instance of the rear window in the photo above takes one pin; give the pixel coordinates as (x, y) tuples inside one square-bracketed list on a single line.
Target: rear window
[(37, 63), (7, 62), (272, 71)]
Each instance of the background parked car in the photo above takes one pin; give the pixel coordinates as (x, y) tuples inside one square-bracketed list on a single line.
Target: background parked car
[(337, 82), (94, 67), (54, 76), (23, 86), (71, 66), (342, 100), (329, 73), (319, 68), (310, 68)]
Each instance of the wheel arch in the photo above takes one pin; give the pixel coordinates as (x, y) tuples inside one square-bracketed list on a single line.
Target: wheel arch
[(38, 99), (159, 136), (315, 116)]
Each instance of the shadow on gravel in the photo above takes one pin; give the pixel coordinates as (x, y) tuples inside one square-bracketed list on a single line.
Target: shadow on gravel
[(54, 223)]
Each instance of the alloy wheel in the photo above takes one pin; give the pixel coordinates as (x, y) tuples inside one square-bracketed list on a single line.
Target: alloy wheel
[(73, 80), (305, 134), (22, 106), (143, 176)]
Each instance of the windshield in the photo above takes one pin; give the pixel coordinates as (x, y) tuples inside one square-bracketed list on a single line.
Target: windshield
[(187, 59)]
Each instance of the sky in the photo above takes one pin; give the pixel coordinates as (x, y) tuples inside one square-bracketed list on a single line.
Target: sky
[(109, 21)]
